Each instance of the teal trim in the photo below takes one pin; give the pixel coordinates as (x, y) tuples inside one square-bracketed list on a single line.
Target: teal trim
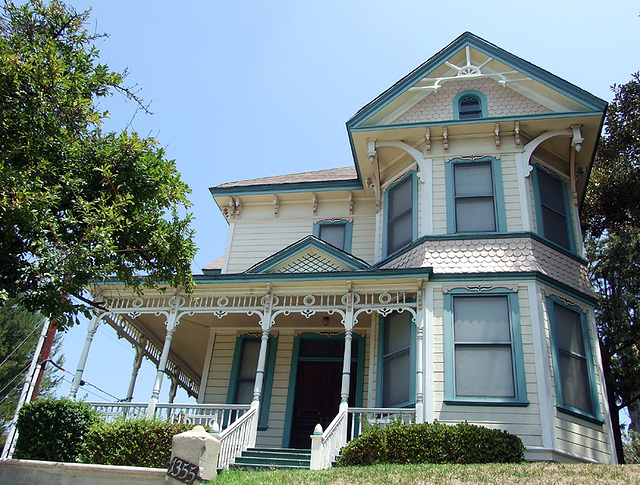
[(596, 416), (491, 50), (414, 211), (482, 99), (293, 375), (412, 361), (488, 119), (261, 189), (348, 231), (517, 353), (301, 246), (267, 381), (498, 195), (535, 179)]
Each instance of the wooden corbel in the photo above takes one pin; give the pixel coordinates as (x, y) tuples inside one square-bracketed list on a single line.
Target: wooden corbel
[(445, 139), (516, 134), (350, 203), (373, 158), (314, 199), (496, 135), (238, 204), (427, 144), (419, 294), (276, 204)]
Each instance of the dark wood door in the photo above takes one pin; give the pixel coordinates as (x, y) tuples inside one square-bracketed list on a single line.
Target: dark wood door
[(317, 399)]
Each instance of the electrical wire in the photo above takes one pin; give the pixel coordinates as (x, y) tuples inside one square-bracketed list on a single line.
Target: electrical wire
[(16, 376), (83, 382), (20, 344)]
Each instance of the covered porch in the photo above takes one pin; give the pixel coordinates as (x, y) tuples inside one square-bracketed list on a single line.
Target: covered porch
[(253, 349)]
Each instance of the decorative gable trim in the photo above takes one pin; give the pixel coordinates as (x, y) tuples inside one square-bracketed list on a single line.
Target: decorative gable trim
[(309, 255)]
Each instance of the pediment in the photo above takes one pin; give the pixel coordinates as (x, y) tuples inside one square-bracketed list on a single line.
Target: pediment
[(513, 88), (309, 255)]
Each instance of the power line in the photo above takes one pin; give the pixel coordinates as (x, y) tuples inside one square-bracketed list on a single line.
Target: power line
[(20, 344), (83, 382)]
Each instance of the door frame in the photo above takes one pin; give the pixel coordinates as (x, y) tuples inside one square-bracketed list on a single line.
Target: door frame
[(295, 359)]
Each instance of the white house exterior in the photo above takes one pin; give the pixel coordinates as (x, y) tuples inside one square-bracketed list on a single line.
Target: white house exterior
[(442, 273)]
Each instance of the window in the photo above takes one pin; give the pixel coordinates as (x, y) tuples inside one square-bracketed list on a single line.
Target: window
[(572, 361), (484, 362), (243, 374), (552, 208), (469, 105), (401, 219), (396, 382), (337, 234), (474, 196)]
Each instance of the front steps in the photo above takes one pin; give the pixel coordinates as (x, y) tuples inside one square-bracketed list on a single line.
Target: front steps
[(272, 459)]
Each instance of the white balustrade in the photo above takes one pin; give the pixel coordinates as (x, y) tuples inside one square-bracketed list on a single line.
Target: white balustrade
[(360, 418), (239, 436), (326, 447)]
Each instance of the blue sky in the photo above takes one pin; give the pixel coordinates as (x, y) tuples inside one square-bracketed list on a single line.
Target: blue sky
[(247, 89)]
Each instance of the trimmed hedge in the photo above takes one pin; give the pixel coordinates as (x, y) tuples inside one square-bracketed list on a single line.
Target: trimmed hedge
[(433, 443), (139, 442), (53, 429)]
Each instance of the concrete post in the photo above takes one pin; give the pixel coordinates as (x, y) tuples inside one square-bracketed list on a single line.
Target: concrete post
[(194, 455)]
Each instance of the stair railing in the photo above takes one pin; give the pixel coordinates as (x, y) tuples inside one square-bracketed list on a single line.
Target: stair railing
[(238, 437), (325, 446)]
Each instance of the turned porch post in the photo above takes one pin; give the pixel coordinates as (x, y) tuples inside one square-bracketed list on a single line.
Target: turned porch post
[(346, 362), (420, 318), (137, 362), (172, 323), (91, 331)]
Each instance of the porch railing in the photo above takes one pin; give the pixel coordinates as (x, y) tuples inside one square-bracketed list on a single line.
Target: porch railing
[(239, 436), (203, 414), (347, 426)]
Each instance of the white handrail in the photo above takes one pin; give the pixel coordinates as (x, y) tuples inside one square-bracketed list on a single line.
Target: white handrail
[(325, 446), (239, 436)]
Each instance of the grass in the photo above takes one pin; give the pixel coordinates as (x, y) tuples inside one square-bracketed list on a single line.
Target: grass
[(525, 473)]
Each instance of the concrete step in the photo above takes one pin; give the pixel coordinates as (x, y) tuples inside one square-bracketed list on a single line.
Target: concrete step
[(272, 459)]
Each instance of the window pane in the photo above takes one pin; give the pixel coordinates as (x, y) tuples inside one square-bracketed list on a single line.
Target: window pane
[(484, 371), (469, 107), (400, 232), (397, 332), (333, 234), (400, 199), (244, 392), (481, 319), (575, 382), (396, 379), (551, 193), (555, 227), (249, 362), (473, 179), (475, 215), (569, 329)]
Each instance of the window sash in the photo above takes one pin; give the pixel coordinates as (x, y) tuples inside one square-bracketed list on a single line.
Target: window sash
[(396, 359), (333, 234), (400, 215), (553, 209), (474, 197)]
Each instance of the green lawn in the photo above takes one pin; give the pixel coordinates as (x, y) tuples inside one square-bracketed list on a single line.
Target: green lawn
[(526, 473)]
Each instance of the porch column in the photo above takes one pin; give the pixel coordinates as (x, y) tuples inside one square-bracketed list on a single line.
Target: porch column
[(420, 318), (91, 331), (346, 362), (173, 389), (262, 362), (172, 323), (137, 362)]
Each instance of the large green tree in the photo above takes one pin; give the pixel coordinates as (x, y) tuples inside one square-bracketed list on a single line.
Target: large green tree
[(77, 204), (611, 218)]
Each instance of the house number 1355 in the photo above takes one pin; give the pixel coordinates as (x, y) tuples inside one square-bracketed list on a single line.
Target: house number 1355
[(182, 470)]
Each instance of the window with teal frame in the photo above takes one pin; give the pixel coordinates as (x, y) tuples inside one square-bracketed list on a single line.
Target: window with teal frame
[(336, 233), (401, 218), (469, 105), (573, 369), (243, 374), (475, 199), (483, 356), (396, 365), (553, 208)]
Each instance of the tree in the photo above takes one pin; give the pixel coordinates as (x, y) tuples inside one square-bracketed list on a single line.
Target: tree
[(77, 205), (611, 219), (19, 333)]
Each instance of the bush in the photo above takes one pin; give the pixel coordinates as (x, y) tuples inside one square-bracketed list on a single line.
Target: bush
[(433, 443), (53, 429), (139, 442)]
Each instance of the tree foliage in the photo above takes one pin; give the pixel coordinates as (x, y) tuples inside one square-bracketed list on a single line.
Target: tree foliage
[(77, 204), (611, 218)]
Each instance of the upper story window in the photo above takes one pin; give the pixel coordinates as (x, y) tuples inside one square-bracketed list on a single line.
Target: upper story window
[(469, 105), (552, 208), (396, 367), (400, 214), (484, 360), (572, 360), (337, 234), (474, 196)]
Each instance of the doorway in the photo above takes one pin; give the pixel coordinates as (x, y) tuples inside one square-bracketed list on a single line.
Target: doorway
[(318, 379)]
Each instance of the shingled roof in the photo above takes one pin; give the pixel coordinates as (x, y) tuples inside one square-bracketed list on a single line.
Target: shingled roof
[(331, 174)]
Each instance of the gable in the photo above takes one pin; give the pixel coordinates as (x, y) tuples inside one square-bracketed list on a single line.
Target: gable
[(309, 255), (470, 58)]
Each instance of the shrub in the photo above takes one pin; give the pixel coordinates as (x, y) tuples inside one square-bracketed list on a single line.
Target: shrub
[(138, 442), (53, 429), (631, 447), (433, 443)]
